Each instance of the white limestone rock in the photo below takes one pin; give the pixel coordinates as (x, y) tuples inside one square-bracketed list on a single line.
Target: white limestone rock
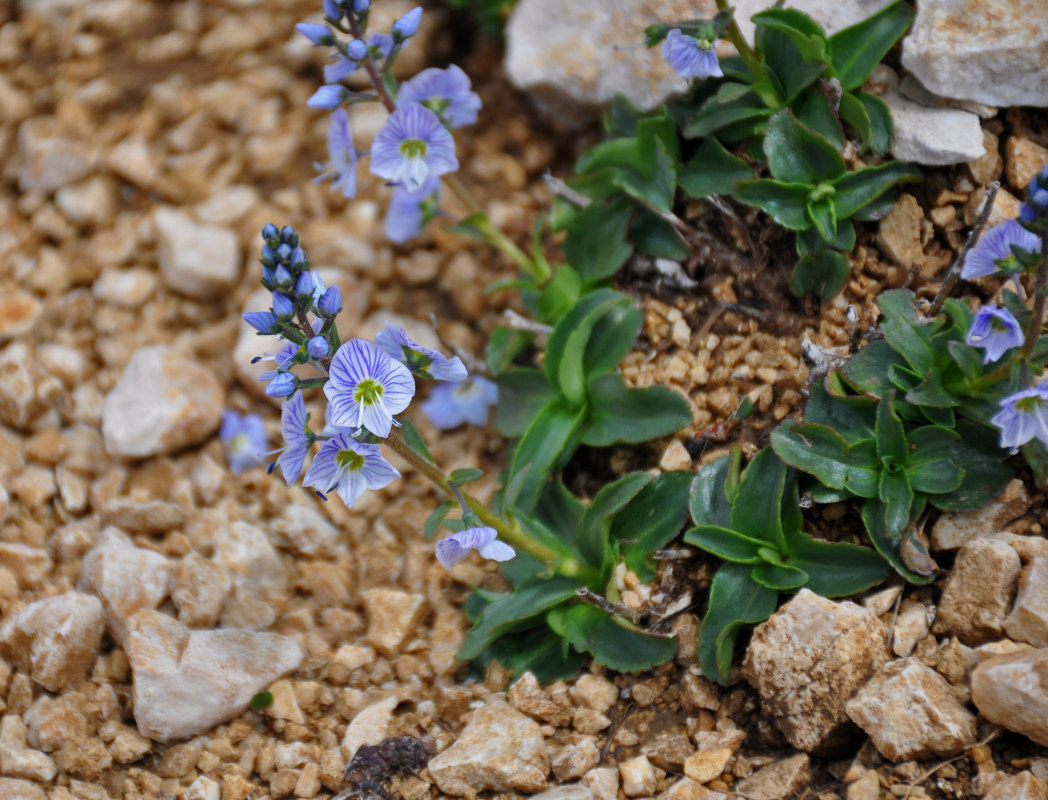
[(833, 15), (198, 260), (1028, 621), (500, 749), (258, 575), (989, 51), (162, 403), (933, 136), (51, 159), (1012, 691), (369, 726), (186, 682), (56, 641)]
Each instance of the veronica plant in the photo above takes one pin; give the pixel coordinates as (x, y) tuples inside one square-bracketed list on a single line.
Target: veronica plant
[(754, 523)]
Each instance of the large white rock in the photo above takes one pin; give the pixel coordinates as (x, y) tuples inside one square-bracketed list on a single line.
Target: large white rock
[(933, 136), (1012, 691), (989, 51), (198, 260), (55, 640), (258, 575), (186, 682), (833, 15), (162, 403), (1028, 621)]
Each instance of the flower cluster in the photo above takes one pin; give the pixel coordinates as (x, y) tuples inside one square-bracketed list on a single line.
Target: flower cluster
[(415, 146)]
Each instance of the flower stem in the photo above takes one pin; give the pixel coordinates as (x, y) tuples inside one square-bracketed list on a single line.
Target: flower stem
[(508, 531), (1041, 279), (748, 55)]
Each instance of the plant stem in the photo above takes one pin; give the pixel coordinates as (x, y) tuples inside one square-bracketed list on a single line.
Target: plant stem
[(1039, 283), (508, 531), (748, 54)]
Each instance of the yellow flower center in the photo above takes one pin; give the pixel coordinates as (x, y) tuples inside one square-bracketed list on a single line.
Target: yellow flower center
[(368, 392), (349, 459), (413, 148)]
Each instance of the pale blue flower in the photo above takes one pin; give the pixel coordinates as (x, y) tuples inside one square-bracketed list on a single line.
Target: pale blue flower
[(381, 44), (366, 387), (244, 440), (349, 468), (330, 303), (316, 33), (691, 57), (329, 96), (294, 427), (451, 404), (1023, 416), (407, 212), (446, 92), (411, 147), (342, 155), (407, 25), (453, 549), (996, 331), (282, 384), (995, 247), (422, 361), (341, 69)]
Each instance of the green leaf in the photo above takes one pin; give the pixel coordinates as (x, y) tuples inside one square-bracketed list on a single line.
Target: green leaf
[(735, 600), (756, 508), (592, 535), (880, 117), (613, 336), (780, 577), (560, 514), (505, 345), (712, 170), (559, 294), (539, 651), (792, 63), (823, 215), (905, 331), (651, 520), (814, 110), (596, 244), (466, 475), (931, 467), (414, 439), (727, 107), (622, 415), (612, 644), (547, 444), (566, 347), (896, 493), (835, 569), (891, 437), (512, 610), (708, 503), (261, 701), (654, 236), (822, 273), (853, 112), (523, 393), (726, 543), (857, 49), (857, 190), (985, 474), (868, 368), (807, 34), (798, 155), (436, 517), (783, 202), (824, 453), (931, 392), (875, 518), (852, 422)]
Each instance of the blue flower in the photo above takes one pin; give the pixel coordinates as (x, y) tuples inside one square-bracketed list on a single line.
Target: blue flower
[(330, 303), (691, 57), (342, 68), (244, 440), (446, 92), (451, 404), (283, 306), (262, 321), (366, 388), (332, 11), (342, 155), (420, 360), (409, 211), (294, 426), (381, 44), (407, 25), (995, 246), (282, 384), (316, 33), (411, 147), (329, 96), (349, 468), (995, 330), (1023, 416), (453, 549)]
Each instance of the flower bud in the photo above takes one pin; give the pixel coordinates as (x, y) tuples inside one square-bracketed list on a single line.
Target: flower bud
[(318, 347), (360, 6), (357, 49), (282, 277), (332, 11), (331, 302), (316, 33), (283, 306), (267, 278), (269, 230), (298, 259), (304, 288), (262, 321), (407, 25), (287, 233), (283, 385)]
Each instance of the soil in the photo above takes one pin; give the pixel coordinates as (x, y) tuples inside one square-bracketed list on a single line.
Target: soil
[(228, 109)]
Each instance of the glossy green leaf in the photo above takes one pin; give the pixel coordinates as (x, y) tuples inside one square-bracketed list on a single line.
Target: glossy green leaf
[(559, 294), (797, 154), (854, 113), (612, 337), (755, 510), (512, 610), (596, 243), (985, 472), (652, 520), (888, 543), (621, 415), (726, 544), (801, 29), (540, 651), (548, 442), (891, 437), (593, 527), (810, 241), (907, 334), (931, 392), (823, 215), (783, 202), (857, 49), (414, 439), (931, 467), (880, 116), (523, 393), (610, 642), (654, 236), (707, 502), (712, 170), (735, 600), (560, 512), (857, 190), (868, 368), (835, 569), (789, 68), (725, 109), (504, 346), (823, 273), (852, 422), (813, 109), (824, 453), (780, 577), (896, 493)]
